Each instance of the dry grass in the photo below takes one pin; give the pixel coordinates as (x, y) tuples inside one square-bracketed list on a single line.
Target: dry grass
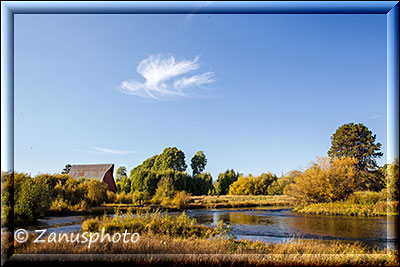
[(196, 251), (230, 201), (381, 208)]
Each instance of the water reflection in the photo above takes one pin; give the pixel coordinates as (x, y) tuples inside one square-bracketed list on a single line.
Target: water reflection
[(271, 225), (278, 225)]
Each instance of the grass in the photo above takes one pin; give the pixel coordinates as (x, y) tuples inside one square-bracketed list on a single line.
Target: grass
[(154, 223), (201, 252), (382, 208), (180, 240), (363, 203), (231, 201)]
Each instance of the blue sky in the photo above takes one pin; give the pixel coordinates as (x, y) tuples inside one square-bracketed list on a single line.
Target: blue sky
[(256, 93)]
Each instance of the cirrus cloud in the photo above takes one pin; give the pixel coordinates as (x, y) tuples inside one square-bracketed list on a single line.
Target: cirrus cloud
[(163, 77)]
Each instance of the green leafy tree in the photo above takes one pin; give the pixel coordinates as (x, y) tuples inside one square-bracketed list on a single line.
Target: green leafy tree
[(198, 163), (170, 158), (171, 163), (66, 169), (123, 184), (225, 179), (201, 184), (121, 172), (356, 141)]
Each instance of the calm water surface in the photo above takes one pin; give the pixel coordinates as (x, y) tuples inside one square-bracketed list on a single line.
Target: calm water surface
[(271, 225)]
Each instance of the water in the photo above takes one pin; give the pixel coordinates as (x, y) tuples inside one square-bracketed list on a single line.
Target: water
[(271, 225), (280, 225)]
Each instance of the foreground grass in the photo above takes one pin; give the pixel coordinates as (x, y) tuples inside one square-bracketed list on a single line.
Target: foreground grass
[(180, 240), (200, 251)]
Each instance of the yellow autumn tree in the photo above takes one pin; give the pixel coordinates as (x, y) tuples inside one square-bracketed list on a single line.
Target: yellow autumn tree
[(327, 180)]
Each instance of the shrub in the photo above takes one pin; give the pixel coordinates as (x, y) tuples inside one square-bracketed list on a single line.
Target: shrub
[(6, 200), (181, 199), (225, 179), (252, 185), (32, 200), (123, 198), (60, 205), (111, 197), (325, 181), (392, 174), (278, 186), (165, 191), (140, 197), (366, 197), (155, 223), (96, 192)]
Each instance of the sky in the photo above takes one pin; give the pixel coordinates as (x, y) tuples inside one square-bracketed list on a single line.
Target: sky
[(256, 93)]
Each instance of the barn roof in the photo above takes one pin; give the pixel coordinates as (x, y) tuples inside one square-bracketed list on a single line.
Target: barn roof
[(97, 171)]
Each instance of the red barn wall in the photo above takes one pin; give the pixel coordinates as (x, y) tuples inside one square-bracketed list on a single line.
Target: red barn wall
[(109, 180)]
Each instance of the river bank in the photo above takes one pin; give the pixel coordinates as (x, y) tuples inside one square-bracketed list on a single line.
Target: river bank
[(194, 202)]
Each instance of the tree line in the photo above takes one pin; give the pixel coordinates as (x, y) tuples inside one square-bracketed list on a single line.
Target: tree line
[(350, 165)]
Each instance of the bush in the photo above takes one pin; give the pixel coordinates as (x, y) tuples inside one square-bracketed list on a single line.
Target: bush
[(366, 197), (165, 191), (96, 192), (140, 197), (60, 205), (325, 181), (392, 174), (225, 179), (155, 223), (278, 186), (252, 185), (181, 199), (6, 200), (32, 200), (111, 197), (123, 198)]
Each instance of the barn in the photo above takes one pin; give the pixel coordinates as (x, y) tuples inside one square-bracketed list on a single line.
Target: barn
[(101, 172)]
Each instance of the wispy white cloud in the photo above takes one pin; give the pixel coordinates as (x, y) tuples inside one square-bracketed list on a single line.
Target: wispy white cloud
[(106, 151), (196, 80), (376, 116), (161, 77)]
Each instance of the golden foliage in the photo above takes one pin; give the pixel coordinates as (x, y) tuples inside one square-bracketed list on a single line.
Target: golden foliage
[(325, 181)]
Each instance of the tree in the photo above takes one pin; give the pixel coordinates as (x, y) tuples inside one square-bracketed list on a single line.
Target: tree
[(123, 184), (199, 163), (170, 162), (121, 172), (170, 158), (224, 180), (392, 174), (251, 185), (200, 184), (356, 141), (330, 179), (278, 186), (66, 169), (165, 191)]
